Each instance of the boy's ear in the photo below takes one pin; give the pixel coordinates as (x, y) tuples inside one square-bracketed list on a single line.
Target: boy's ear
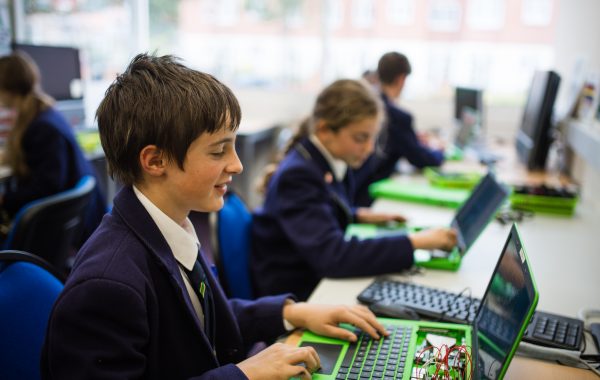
[(152, 160), (321, 126)]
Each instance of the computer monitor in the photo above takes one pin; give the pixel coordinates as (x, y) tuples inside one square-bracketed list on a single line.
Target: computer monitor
[(468, 115), (534, 136), (60, 69), (467, 98)]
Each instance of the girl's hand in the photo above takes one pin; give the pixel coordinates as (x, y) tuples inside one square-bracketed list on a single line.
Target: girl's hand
[(365, 215), (434, 238)]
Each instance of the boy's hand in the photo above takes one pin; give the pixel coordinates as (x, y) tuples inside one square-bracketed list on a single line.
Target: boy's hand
[(324, 319), (365, 215), (281, 361), (434, 238)]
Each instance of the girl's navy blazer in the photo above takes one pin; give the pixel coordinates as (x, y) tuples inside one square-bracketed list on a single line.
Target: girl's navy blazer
[(56, 163), (298, 234)]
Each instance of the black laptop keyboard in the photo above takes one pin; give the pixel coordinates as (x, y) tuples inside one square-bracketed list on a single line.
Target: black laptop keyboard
[(385, 358), (544, 329)]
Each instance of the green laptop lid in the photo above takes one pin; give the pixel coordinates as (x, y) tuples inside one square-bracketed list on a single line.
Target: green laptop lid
[(506, 309), (419, 192)]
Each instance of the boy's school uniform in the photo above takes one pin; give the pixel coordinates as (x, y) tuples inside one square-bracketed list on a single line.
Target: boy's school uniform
[(298, 234), (125, 311)]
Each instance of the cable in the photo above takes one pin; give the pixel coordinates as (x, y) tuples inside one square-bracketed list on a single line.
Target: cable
[(451, 303), (590, 367), (440, 358)]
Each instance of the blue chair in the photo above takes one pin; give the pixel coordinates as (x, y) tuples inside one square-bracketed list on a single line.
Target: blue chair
[(29, 287), (232, 246), (49, 227)]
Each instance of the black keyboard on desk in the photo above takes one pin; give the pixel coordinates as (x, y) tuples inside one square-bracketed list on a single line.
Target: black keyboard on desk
[(545, 329)]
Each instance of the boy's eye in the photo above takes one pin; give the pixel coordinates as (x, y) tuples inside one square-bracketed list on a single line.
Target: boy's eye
[(219, 150), (360, 138)]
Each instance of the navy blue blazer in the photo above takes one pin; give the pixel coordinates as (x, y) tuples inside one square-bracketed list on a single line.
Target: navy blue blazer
[(56, 163), (397, 139), (125, 312), (298, 234)]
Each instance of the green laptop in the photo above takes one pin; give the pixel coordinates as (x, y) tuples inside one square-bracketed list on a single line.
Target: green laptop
[(435, 350), (469, 222), (451, 179), (418, 192)]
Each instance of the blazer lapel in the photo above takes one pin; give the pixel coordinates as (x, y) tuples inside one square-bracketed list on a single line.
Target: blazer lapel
[(134, 215), (337, 190)]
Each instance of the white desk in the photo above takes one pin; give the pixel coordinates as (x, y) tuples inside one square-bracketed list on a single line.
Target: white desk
[(563, 252)]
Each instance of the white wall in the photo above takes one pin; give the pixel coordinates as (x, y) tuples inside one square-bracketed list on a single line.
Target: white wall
[(578, 31)]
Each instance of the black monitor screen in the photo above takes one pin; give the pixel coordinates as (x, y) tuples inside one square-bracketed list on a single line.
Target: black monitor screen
[(476, 212), (467, 98), (60, 69), (508, 302), (535, 102), (533, 137)]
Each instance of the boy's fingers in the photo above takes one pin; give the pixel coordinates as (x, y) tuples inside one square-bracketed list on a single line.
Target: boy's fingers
[(340, 333), (308, 356), (368, 315), (361, 323), (301, 372)]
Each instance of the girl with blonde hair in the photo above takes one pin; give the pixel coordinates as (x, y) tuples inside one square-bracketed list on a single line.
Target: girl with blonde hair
[(298, 234)]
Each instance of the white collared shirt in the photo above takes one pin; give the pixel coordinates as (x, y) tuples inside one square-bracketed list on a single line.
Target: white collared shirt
[(185, 246), (182, 240), (339, 167)]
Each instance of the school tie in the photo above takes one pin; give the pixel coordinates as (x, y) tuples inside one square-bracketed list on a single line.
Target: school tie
[(199, 283)]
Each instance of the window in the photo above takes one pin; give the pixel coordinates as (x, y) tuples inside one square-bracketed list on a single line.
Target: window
[(295, 47), (400, 12), (536, 12), (486, 14), (101, 29), (445, 15), (362, 13)]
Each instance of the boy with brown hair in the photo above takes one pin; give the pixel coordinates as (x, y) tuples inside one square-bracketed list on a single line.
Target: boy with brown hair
[(141, 301)]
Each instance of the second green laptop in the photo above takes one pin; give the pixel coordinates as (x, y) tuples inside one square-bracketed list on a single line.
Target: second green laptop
[(469, 222)]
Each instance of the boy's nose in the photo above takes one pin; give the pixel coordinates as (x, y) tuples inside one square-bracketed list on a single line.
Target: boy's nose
[(236, 166)]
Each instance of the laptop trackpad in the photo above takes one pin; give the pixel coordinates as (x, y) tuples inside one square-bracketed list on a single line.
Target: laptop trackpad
[(328, 353)]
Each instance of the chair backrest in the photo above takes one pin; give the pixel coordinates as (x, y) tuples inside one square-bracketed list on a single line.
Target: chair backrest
[(232, 248), (29, 287), (48, 227)]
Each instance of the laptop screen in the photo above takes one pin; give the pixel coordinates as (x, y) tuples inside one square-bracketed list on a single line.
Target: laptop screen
[(479, 208), (505, 310)]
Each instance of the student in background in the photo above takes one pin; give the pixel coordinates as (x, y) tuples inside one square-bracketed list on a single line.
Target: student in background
[(298, 234), (141, 302), (398, 138), (41, 149)]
